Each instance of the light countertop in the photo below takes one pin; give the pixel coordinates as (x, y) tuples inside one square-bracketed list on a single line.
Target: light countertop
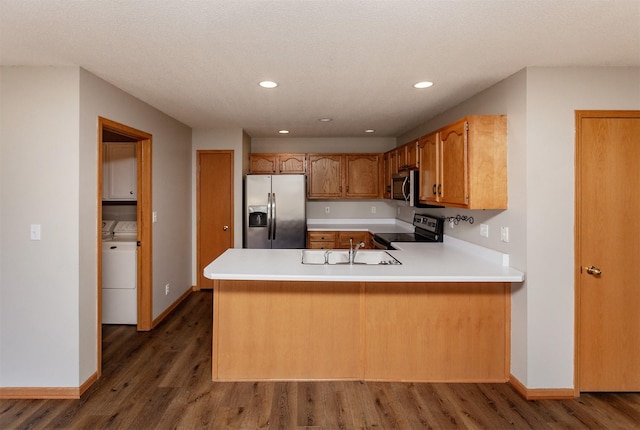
[(381, 225), (451, 261)]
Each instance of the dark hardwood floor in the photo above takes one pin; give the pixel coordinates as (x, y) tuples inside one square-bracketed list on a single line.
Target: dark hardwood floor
[(162, 380)]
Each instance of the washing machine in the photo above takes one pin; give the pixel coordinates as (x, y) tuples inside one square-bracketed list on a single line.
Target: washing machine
[(120, 274)]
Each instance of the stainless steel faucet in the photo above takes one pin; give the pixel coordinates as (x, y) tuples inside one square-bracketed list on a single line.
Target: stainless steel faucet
[(353, 251)]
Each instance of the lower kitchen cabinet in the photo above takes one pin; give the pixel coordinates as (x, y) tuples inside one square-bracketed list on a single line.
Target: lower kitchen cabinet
[(321, 240), (337, 239)]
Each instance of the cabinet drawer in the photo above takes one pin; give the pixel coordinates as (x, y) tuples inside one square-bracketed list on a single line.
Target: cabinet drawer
[(322, 236), (318, 244)]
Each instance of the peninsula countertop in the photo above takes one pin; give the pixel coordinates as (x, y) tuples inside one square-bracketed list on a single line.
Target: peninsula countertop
[(453, 260)]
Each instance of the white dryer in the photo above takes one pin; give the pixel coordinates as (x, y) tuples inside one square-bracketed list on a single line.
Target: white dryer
[(120, 275)]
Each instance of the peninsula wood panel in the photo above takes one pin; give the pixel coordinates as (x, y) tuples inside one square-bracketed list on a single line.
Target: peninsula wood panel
[(437, 332), (290, 330), (286, 330)]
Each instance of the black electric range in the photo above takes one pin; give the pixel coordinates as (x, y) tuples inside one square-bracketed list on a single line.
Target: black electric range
[(428, 228)]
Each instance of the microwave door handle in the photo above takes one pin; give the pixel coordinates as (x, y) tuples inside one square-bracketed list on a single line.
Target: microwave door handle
[(404, 189), (273, 216)]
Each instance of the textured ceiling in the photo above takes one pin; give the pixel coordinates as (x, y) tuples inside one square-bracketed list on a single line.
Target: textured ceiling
[(351, 60)]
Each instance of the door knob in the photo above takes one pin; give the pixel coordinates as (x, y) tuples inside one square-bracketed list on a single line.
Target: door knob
[(225, 228), (593, 270)]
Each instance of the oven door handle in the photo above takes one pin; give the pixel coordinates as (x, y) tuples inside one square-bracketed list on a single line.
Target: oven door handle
[(380, 245)]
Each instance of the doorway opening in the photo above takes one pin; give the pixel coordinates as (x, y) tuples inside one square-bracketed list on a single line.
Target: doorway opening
[(135, 204)]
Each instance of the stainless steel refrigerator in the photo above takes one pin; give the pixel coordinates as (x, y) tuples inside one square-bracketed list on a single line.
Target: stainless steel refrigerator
[(275, 211)]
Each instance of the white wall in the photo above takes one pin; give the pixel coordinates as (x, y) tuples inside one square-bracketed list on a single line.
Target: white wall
[(171, 185), (219, 139), (540, 105), (553, 95), (48, 288), (39, 177), (321, 144)]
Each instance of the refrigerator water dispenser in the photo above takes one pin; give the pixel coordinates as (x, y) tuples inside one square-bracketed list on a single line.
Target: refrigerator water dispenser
[(257, 216)]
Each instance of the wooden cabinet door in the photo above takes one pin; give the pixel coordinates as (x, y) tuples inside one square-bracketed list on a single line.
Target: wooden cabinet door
[(263, 163), (453, 164), (362, 176), (291, 163), (386, 185), (394, 161), (345, 238), (429, 170), (324, 176), (411, 155)]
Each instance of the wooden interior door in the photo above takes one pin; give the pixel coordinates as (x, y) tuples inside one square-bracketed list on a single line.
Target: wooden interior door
[(608, 238), (214, 208)]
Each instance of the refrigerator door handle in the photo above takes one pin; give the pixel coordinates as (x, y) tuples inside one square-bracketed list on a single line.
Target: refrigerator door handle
[(269, 216), (273, 216)]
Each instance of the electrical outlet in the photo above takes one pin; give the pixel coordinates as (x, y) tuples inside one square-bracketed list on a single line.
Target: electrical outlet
[(504, 234), (373, 209), (154, 216), (327, 209), (166, 290), (484, 230)]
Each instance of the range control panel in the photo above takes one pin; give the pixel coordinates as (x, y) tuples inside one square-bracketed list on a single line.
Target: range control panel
[(428, 223)]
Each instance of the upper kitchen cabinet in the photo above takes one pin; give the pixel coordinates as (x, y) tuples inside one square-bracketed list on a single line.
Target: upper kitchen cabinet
[(429, 170), (351, 176), (470, 167), (362, 177), (119, 171), (324, 174), (386, 175), (276, 163), (409, 156), (394, 161)]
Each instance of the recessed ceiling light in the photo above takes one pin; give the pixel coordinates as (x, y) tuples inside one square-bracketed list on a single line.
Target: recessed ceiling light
[(424, 84), (283, 131), (369, 130), (325, 119), (268, 84)]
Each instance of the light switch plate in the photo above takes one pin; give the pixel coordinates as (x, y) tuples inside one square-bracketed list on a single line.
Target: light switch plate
[(34, 232)]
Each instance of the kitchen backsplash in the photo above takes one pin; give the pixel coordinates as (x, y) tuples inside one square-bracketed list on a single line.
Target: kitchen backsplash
[(343, 209)]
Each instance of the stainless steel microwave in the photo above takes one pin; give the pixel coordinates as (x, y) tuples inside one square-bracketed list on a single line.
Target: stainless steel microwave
[(406, 186)]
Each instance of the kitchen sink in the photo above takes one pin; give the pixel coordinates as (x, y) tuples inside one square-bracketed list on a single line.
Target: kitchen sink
[(339, 256)]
